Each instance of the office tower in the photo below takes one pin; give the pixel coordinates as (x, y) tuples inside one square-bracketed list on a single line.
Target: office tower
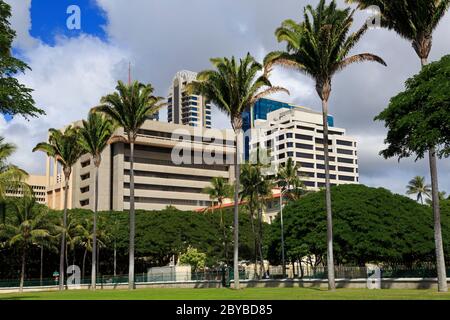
[(297, 133), (185, 108)]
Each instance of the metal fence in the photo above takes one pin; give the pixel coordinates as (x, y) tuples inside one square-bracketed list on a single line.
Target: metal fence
[(225, 276)]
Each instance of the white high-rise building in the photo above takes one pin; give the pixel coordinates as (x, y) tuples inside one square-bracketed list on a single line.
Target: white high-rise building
[(185, 108), (297, 133)]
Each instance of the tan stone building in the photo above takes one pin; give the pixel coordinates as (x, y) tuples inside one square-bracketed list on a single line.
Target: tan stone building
[(39, 186), (160, 179)]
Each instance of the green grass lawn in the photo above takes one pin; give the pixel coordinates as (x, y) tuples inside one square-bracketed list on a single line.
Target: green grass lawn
[(228, 294)]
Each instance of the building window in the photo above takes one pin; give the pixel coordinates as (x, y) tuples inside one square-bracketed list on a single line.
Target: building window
[(321, 141), (322, 158), (304, 155), (304, 146), (345, 151), (322, 167), (303, 137), (322, 176), (345, 160), (347, 178), (306, 165), (85, 176), (344, 143), (289, 135), (345, 169)]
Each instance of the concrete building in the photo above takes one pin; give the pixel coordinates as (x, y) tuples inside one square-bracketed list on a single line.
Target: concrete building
[(183, 108), (39, 186), (297, 133), (159, 181)]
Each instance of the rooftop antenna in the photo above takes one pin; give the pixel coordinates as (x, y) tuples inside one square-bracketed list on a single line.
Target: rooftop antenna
[(129, 73)]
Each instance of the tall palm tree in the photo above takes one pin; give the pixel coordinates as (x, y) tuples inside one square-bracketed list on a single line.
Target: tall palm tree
[(66, 149), (220, 190), (418, 187), (95, 136), (234, 87), (255, 189), (415, 21), (28, 227), (129, 107), (11, 177), (319, 47)]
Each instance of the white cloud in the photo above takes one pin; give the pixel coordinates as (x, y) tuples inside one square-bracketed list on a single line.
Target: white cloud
[(163, 37), (21, 23), (68, 80)]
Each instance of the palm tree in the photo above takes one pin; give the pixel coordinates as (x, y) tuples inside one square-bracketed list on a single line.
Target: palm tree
[(85, 238), (219, 191), (234, 87), (95, 136), (66, 149), (418, 187), (319, 47), (415, 21), (288, 179), (129, 107), (255, 189), (28, 227), (11, 177)]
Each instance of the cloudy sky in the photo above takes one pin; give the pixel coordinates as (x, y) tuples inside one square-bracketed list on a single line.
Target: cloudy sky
[(72, 69)]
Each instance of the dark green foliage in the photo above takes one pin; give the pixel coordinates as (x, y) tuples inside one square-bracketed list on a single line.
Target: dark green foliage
[(419, 117), (159, 236), (370, 225), (15, 98)]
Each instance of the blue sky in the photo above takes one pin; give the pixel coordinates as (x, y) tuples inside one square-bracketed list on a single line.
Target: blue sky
[(49, 19), (49, 22), (72, 70)]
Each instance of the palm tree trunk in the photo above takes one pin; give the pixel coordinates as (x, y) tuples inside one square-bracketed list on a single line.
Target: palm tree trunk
[(94, 235), (260, 239), (63, 236), (224, 234), (440, 257), (84, 264), (330, 259), (42, 266), (132, 221), (22, 272), (236, 213), (115, 258)]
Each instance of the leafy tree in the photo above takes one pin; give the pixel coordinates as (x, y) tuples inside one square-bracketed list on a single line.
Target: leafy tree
[(27, 228), (418, 187), (193, 258), (415, 21), (418, 122), (95, 136), (234, 87), (371, 226), (66, 149), (15, 98), (319, 47), (219, 191), (130, 106)]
